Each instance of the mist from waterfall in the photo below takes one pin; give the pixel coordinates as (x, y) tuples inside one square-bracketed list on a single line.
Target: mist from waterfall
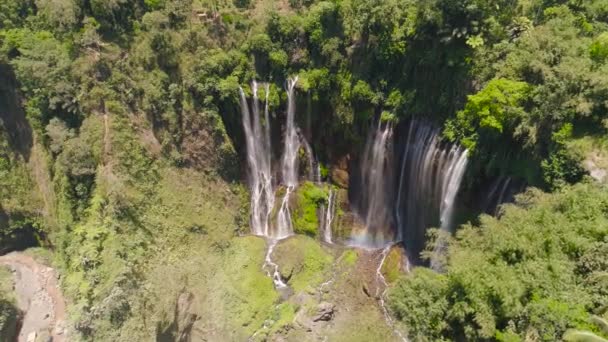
[(375, 203), (430, 177)]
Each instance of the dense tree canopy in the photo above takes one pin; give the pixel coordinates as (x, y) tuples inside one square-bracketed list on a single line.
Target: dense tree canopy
[(533, 273)]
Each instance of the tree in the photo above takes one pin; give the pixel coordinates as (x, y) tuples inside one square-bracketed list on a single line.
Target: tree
[(488, 114), (58, 15)]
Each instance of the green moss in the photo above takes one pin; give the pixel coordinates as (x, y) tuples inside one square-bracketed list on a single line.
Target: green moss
[(284, 316), (391, 269), (303, 262), (349, 257), (309, 198), (364, 324), (248, 294)]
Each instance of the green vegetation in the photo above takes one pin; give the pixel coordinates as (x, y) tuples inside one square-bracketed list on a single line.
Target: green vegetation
[(121, 147), (489, 113), (349, 257), (537, 271), (393, 265), (545, 77), (8, 311), (20, 204), (305, 213), (285, 316), (303, 262)]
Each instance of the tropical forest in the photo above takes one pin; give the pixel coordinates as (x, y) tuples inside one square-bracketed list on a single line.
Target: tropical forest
[(303, 170)]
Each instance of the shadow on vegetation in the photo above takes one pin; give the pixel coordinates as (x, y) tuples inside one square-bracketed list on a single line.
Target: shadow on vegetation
[(12, 115)]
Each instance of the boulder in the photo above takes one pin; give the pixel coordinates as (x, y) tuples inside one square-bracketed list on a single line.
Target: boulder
[(324, 312)]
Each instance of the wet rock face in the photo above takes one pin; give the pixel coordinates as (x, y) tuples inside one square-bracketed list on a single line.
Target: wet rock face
[(340, 177)]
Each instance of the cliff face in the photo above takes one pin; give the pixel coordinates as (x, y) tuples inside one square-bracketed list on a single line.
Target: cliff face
[(22, 205), (16, 126)]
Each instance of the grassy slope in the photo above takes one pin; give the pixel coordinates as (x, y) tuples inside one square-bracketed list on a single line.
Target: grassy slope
[(303, 261), (179, 233)]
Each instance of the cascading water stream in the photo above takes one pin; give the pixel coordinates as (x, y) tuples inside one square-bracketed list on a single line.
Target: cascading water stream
[(399, 192), (430, 177), (328, 216), (501, 196), (503, 190), (257, 137), (375, 204), (317, 176), (289, 168), (489, 207), (457, 161), (451, 183), (257, 140), (271, 268)]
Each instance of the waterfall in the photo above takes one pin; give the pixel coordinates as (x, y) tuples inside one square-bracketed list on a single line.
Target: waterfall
[(310, 157), (317, 175), (327, 216), (457, 161), (502, 190), (501, 196), (489, 207), (399, 192), (257, 137), (289, 168), (375, 202), (259, 151), (430, 177)]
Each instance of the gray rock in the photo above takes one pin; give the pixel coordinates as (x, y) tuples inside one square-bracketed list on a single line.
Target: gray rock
[(325, 312), (595, 172)]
